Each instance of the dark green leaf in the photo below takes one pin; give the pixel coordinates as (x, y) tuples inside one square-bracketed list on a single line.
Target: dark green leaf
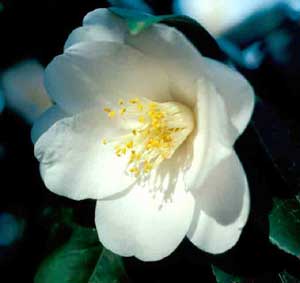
[(287, 278), (202, 40), (280, 137), (285, 224), (222, 277), (73, 262), (109, 269)]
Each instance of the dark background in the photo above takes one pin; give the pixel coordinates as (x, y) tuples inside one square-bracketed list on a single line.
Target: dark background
[(38, 29)]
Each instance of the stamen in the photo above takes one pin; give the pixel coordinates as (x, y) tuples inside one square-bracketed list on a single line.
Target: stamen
[(134, 100), (122, 111), (111, 114), (141, 119), (163, 128)]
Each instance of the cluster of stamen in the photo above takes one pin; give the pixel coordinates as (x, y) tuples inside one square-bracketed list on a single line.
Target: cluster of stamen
[(154, 135)]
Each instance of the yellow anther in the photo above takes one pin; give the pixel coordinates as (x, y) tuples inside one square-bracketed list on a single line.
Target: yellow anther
[(111, 114), (104, 141), (120, 150), (140, 107), (134, 100), (134, 170), (152, 105), (129, 144), (147, 166), (167, 138), (107, 110), (165, 155), (156, 138), (122, 111), (141, 119)]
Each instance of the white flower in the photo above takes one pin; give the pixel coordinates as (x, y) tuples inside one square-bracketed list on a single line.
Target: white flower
[(146, 125)]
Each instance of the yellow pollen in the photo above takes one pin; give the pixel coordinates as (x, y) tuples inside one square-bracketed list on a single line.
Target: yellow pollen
[(135, 171), (122, 111), (163, 128), (129, 144), (141, 119), (147, 167), (104, 141), (111, 114), (134, 100), (140, 107), (106, 109)]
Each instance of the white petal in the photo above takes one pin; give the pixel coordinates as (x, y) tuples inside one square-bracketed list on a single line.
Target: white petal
[(222, 207), (104, 18), (236, 91), (45, 121), (179, 58), (73, 161), (97, 73), (151, 219), (213, 137), (91, 33)]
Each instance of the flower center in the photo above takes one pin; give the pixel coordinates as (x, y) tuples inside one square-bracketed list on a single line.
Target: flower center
[(156, 131)]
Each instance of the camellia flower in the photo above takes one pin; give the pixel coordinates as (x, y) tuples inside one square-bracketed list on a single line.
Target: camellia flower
[(145, 125)]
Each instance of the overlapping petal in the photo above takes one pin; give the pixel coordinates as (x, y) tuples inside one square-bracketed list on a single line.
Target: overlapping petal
[(103, 17), (98, 73), (46, 120), (176, 55), (213, 137), (149, 220), (222, 207), (73, 161), (91, 33), (235, 89)]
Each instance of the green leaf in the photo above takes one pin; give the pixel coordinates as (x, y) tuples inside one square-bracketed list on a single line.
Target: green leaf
[(285, 224), (73, 262), (138, 21), (109, 269), (222, 277), (287, 278)]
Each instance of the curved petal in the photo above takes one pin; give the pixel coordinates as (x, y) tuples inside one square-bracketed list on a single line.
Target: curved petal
[(98, 73), (179, 58), (235, 89), (45, 121), (73, 161), (110, 22), (91, 33), (222, 207), (151, 219), (213, 137)]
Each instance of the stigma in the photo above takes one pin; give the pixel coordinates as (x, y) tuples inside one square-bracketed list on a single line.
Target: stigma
[(155, 132)]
